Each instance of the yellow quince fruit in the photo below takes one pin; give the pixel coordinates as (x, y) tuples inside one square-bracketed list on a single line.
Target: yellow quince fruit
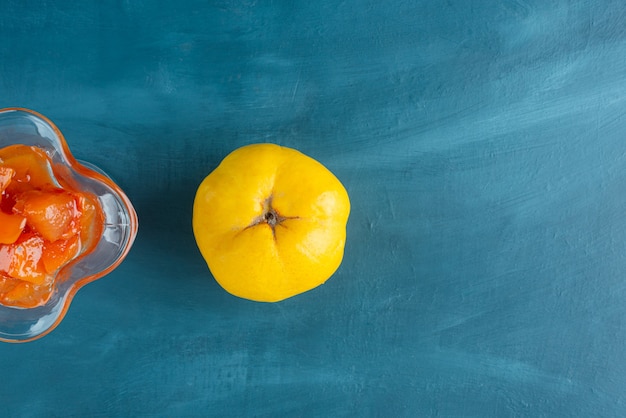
[(270, 222)]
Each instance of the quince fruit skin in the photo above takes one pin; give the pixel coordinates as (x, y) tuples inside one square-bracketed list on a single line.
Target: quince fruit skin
[(270, 222)]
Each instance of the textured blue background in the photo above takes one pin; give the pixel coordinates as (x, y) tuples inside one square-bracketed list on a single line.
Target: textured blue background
[(483, 144)]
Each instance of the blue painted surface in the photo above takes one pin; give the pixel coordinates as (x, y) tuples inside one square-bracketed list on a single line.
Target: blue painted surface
[(483, 145)]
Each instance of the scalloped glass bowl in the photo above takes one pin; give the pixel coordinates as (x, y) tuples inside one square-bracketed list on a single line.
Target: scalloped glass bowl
[(23, 126)]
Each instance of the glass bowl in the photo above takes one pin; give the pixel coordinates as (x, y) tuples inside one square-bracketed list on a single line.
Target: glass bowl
[(23, 126)]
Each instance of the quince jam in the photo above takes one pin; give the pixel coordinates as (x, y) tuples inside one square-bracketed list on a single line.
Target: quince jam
[(45, 223)]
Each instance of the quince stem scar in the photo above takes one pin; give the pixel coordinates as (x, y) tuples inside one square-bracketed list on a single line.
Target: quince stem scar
[(270, 217)]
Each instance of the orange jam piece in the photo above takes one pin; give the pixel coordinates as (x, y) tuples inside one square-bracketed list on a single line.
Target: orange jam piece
[(12, 227), (44, 225), (6, 174), (53, 213)]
